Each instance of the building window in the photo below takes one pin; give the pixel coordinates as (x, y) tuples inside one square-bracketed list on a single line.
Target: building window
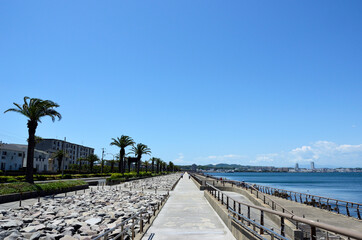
[(2, 157), (4, 152), (20, 154)]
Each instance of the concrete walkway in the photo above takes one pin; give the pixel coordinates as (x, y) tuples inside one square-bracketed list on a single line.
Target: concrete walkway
[(188, 215)]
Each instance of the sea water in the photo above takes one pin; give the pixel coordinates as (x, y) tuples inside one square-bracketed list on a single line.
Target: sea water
[(343, 186)]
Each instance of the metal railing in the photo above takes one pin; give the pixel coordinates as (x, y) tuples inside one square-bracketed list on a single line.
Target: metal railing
[(128, 226), (310, 229), (247, 222), (267, 200), (348, 208)]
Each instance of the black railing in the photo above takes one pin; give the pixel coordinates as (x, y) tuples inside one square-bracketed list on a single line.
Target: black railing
[(347, 208), (310, 229)]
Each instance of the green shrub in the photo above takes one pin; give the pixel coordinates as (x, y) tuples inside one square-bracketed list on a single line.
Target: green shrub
[(5, 179), (47, 187), (17, 188), (67, 176)]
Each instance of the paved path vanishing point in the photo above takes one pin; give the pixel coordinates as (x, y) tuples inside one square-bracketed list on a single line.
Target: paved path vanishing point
[(188, 215)]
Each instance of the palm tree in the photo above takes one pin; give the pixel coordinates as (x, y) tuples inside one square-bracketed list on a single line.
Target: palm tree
[(34, 110), (158, 163), (59, 155), (92, 158), (80, 160), (153, 160), (138, 151), (171, 166), (122, 143), (147, 163)]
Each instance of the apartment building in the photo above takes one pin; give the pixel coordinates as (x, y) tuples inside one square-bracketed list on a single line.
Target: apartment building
[(73, 151), (11, 157)]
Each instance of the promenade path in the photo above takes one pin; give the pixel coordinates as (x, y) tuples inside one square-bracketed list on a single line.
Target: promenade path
[(188, 215)]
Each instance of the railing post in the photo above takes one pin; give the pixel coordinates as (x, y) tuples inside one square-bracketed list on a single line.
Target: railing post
[(122, 228), (249, 215), (234, 206), (313, 233), (262, 221), (282, 226), (105, 237), (264, 199), (358, 214), (222, 198), (347, 210), (227, 202), (239, 211)]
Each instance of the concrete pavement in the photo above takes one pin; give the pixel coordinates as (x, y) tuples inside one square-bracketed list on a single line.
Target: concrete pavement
[(188, 215)]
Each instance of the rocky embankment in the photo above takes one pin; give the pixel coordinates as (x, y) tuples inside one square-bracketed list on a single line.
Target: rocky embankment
[(161, 183), (82, 216)]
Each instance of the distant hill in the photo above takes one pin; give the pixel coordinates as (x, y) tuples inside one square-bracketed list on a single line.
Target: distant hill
[(214, 166)]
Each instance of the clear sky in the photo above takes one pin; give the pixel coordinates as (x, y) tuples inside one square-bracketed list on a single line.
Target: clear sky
[(247, 82)]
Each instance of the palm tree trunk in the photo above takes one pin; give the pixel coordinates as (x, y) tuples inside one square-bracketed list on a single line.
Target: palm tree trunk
[(80, 166), (121, 161), (30, 157), (138, 165), (153, 164), (59, 163)]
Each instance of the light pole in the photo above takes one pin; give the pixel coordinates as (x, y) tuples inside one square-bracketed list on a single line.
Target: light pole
[(112, 155), (102, 160)]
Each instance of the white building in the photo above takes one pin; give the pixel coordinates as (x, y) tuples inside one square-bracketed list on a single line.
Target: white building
[(312, 165), (41, 158), (12, 157)]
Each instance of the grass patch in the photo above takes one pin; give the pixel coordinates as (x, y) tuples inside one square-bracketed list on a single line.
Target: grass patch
[(19, 187)]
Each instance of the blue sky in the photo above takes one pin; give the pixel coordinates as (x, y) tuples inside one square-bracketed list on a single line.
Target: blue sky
[(248, 82)]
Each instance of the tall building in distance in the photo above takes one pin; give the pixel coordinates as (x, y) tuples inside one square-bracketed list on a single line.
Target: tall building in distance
[(296, 168), (312, 165), (73, 151)]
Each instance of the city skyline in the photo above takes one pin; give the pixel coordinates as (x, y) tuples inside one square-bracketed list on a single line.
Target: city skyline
[(198, 82)]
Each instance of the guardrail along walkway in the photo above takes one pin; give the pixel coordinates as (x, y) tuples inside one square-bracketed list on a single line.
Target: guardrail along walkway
[(188, 215)]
